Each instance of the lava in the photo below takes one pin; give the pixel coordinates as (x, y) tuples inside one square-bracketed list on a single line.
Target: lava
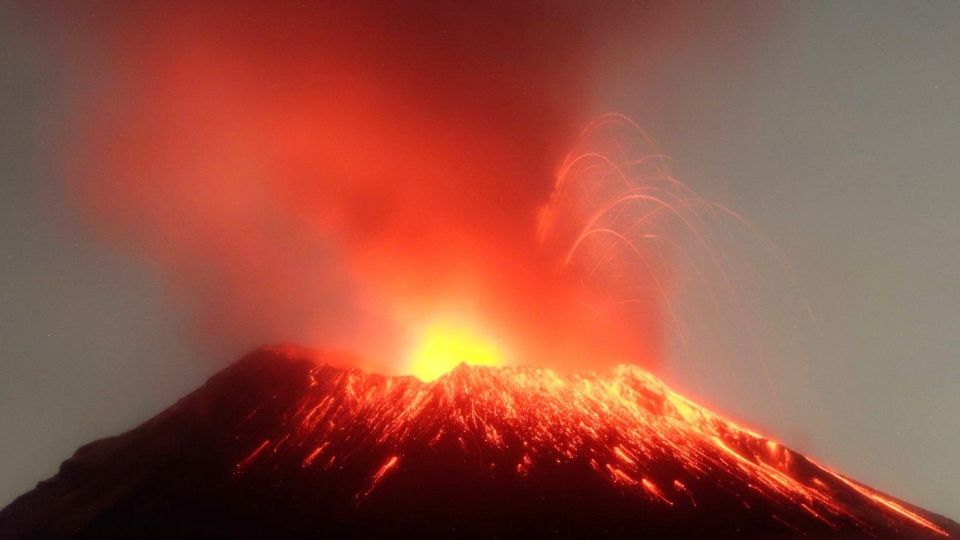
[(284, 445), (442, 345), (624, 425)]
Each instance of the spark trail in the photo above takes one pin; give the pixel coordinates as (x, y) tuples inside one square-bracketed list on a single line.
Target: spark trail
[(652, 251)]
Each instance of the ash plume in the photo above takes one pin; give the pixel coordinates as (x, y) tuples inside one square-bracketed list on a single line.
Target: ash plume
[(336, 174)]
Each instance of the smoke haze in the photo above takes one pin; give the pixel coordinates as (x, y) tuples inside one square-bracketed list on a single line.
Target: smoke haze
[(334, 174)]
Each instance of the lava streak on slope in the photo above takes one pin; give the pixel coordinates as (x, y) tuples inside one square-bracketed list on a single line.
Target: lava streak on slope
[(282, 445), (626, 426)]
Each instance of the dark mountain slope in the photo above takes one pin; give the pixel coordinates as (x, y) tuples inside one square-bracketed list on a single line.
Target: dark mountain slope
[(281, 446)]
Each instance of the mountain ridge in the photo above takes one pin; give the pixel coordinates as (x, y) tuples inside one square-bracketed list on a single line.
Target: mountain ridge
[(281, 445)]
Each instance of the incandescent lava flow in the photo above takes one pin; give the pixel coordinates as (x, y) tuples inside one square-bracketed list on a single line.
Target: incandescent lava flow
[(282, 445)]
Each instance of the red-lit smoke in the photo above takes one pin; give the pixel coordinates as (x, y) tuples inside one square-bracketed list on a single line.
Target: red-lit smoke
[(336, 173)]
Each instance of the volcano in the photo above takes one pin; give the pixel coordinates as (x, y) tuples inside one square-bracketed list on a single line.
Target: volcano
[(282, 445)]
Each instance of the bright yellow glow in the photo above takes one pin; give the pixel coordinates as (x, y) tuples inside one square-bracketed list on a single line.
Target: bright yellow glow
[(442, 346)]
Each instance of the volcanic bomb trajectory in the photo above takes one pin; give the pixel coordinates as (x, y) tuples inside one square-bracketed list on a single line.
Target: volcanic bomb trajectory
[(282, 445)]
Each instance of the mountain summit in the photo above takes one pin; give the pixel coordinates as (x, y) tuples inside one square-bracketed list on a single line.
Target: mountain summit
[(280, 445)]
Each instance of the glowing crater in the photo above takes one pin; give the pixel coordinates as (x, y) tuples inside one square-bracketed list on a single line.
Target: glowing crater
[(442, 345)]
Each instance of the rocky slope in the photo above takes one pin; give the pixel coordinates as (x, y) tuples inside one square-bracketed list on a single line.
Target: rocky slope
[(280, 445)]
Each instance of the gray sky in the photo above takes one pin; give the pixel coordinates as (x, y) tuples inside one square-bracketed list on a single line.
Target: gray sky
[(838, 137), (840, 140)]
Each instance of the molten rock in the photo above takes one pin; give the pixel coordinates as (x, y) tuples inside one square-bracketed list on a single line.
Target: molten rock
[(281, 446)]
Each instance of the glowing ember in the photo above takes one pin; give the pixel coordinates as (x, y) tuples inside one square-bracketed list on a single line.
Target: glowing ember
[(626, 428), (443, 345)]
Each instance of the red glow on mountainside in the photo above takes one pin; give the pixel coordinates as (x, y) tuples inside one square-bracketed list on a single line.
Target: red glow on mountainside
[(626, 426)]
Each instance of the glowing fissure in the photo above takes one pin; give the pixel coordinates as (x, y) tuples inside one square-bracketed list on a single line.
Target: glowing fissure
[(624, 426)]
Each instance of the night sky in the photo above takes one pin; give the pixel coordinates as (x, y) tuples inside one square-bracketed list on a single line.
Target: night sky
[(833, 127)]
